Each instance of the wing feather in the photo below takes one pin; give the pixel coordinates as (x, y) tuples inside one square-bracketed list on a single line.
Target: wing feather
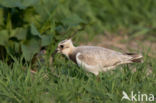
[(100, 56)]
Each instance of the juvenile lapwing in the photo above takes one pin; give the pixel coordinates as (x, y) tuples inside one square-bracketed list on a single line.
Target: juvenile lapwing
[(95, 59)]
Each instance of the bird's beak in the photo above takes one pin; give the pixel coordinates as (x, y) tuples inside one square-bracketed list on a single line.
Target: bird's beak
[(57, 50)]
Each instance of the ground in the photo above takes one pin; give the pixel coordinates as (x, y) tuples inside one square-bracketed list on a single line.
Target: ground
[(64, 82)]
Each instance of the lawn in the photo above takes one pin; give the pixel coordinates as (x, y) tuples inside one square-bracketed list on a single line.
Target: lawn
[(29, 26), (62, 81)]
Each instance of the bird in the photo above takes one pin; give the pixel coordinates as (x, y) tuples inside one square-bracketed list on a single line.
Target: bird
[(95, 59)]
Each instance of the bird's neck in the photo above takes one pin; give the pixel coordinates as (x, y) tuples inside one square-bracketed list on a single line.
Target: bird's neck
[(72, 49)]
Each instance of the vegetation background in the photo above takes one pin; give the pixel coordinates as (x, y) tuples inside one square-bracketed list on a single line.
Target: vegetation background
[(27, 26)]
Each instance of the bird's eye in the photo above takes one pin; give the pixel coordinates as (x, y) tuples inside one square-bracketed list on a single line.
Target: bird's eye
[(62, 46)]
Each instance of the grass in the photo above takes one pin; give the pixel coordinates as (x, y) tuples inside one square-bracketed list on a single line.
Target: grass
[(64, 82)]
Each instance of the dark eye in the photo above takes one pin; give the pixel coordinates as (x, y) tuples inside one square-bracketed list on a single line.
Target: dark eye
[(62, 46)]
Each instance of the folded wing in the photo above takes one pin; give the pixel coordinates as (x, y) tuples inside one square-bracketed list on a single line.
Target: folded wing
[(101, 57)]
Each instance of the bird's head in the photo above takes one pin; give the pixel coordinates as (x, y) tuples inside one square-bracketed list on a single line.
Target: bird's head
[(65, 47)]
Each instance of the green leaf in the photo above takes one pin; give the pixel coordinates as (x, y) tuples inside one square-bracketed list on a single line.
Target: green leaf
[(1, 16), (19, 33), (30, 16), (22, 4), (34, 30), (28, 3), (11, 3), (31, 47), (61, 29), (46, 8), (4, 37), (46, 40), (72, 20)]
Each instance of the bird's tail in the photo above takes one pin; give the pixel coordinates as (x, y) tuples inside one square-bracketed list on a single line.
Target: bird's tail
[(135, 57)]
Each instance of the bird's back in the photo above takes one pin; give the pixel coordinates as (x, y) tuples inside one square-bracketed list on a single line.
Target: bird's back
[(95, 50), (93, 55)]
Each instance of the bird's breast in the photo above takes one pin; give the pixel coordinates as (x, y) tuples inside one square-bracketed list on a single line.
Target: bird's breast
[(73, 57)]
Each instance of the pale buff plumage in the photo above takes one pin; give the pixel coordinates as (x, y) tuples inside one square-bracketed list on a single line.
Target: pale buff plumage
[(95, 59)]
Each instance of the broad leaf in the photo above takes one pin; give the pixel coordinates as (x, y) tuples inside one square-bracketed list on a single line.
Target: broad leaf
[(1, 17), (31, 47), (22, 4), (19, 33), (45, 8), (46, 39), (4, 37), (28, 3), (30, 16), (34, 30)]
